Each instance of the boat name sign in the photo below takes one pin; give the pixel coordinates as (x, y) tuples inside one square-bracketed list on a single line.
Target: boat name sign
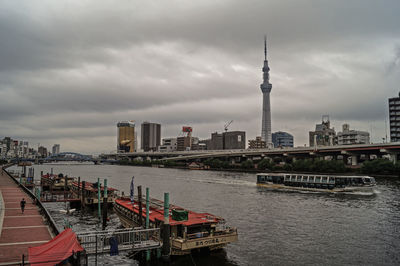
[(210, 242)]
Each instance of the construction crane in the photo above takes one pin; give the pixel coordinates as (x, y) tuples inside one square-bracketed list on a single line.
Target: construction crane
[(227, 125)]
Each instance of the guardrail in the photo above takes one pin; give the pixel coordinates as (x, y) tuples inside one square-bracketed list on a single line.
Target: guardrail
[(43, 210), (96, 242)]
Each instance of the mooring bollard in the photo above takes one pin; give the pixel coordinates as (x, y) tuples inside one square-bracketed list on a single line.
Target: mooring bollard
[(98, 198), (147, 218), (105, 199), (139, 188), (166, 230)]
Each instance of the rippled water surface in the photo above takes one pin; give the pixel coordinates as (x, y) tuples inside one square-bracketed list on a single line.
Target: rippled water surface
[(275, 228)]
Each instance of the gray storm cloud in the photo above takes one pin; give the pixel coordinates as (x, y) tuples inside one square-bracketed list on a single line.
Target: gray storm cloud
[(69, 70)]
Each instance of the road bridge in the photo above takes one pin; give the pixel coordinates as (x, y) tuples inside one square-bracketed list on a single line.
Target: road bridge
[(355, 153)]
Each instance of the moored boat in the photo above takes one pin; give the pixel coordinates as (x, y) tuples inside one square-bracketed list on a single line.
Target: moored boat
[(317, 183), (56, 182), (189, 230), (88, 192)]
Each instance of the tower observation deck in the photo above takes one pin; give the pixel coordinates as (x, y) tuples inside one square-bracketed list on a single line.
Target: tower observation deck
[(266, 88)]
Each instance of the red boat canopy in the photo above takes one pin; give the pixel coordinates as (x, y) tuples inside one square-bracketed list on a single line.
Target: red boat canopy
[(56, 250)]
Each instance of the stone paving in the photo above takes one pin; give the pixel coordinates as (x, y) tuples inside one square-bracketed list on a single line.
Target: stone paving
[(18, 230)]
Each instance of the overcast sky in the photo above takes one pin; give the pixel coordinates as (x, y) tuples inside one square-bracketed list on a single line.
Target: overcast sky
[(70, 70)]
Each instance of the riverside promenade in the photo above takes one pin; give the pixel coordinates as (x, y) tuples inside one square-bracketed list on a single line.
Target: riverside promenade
[(18, 231)]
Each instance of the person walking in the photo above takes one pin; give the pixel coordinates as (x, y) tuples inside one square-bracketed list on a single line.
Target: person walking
[(23, 202)]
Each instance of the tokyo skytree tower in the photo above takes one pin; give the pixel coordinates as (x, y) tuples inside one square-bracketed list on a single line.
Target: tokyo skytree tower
[(266, 88)]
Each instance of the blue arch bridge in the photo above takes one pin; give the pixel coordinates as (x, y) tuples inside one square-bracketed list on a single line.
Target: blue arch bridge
[(69, 156)]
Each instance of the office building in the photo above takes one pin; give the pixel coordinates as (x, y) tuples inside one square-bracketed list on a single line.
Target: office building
[(126, 136), (216, 142), (42, 152), (348, 137), (257, 143), (225, 141), (150, 136), (184, 143), (234, 140), (266, 88), (56, 149), (168, 145), (282, 139), (323, 135), (394, 115)]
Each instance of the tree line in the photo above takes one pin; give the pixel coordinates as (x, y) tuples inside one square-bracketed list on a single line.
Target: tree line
[(377, 166)]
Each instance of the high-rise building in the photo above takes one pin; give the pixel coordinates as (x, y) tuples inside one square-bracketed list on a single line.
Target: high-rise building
[(42, 151), (234, 140), (257, 143), (266, 88), (126, 136), (323, 134), (348, 137), (226, 141), (282, 139), (394, 114), (56, 149), (216, 142), (150, 136)]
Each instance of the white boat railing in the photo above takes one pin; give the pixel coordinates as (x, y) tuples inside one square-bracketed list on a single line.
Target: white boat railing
[(95, 242)]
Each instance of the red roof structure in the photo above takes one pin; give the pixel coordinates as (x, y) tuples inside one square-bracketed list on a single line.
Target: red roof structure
[(56, 250), (158, 213)]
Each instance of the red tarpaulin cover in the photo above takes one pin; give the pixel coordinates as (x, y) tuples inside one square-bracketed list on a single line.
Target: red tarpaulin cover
[(56, 250)]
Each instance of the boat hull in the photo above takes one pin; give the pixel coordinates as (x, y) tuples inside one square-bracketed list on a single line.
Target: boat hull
[(355, 189)]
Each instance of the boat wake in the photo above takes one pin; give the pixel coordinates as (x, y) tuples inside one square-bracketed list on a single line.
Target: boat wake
[(359, 193)]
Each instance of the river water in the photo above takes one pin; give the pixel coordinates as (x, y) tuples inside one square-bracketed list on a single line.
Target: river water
[(275, 227)]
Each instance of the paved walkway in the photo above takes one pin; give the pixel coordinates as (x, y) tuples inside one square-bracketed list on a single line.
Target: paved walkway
[(18, 231)]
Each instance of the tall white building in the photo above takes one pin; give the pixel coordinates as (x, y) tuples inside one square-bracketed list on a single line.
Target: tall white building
[(168, 145), (266, 88), (348, 136)]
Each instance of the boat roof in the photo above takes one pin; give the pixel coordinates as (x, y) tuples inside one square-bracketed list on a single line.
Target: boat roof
[(89, 186), (339, 176), (157, 212)]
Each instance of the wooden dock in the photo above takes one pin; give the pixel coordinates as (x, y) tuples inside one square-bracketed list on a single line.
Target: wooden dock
[(18, 231)]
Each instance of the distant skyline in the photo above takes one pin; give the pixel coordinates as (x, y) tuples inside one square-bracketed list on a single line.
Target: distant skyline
[(70, 70)]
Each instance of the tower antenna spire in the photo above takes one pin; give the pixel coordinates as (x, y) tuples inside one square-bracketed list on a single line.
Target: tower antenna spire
[(265, 47)]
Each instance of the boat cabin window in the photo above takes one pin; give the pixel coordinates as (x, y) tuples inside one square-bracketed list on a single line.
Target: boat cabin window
[(293, 178), (317, 179), (311, 179), (331, 180), (269, 178), (260, 178), (287, 178), (324, 179), (276, 179), (305, 178), (299, 178)]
